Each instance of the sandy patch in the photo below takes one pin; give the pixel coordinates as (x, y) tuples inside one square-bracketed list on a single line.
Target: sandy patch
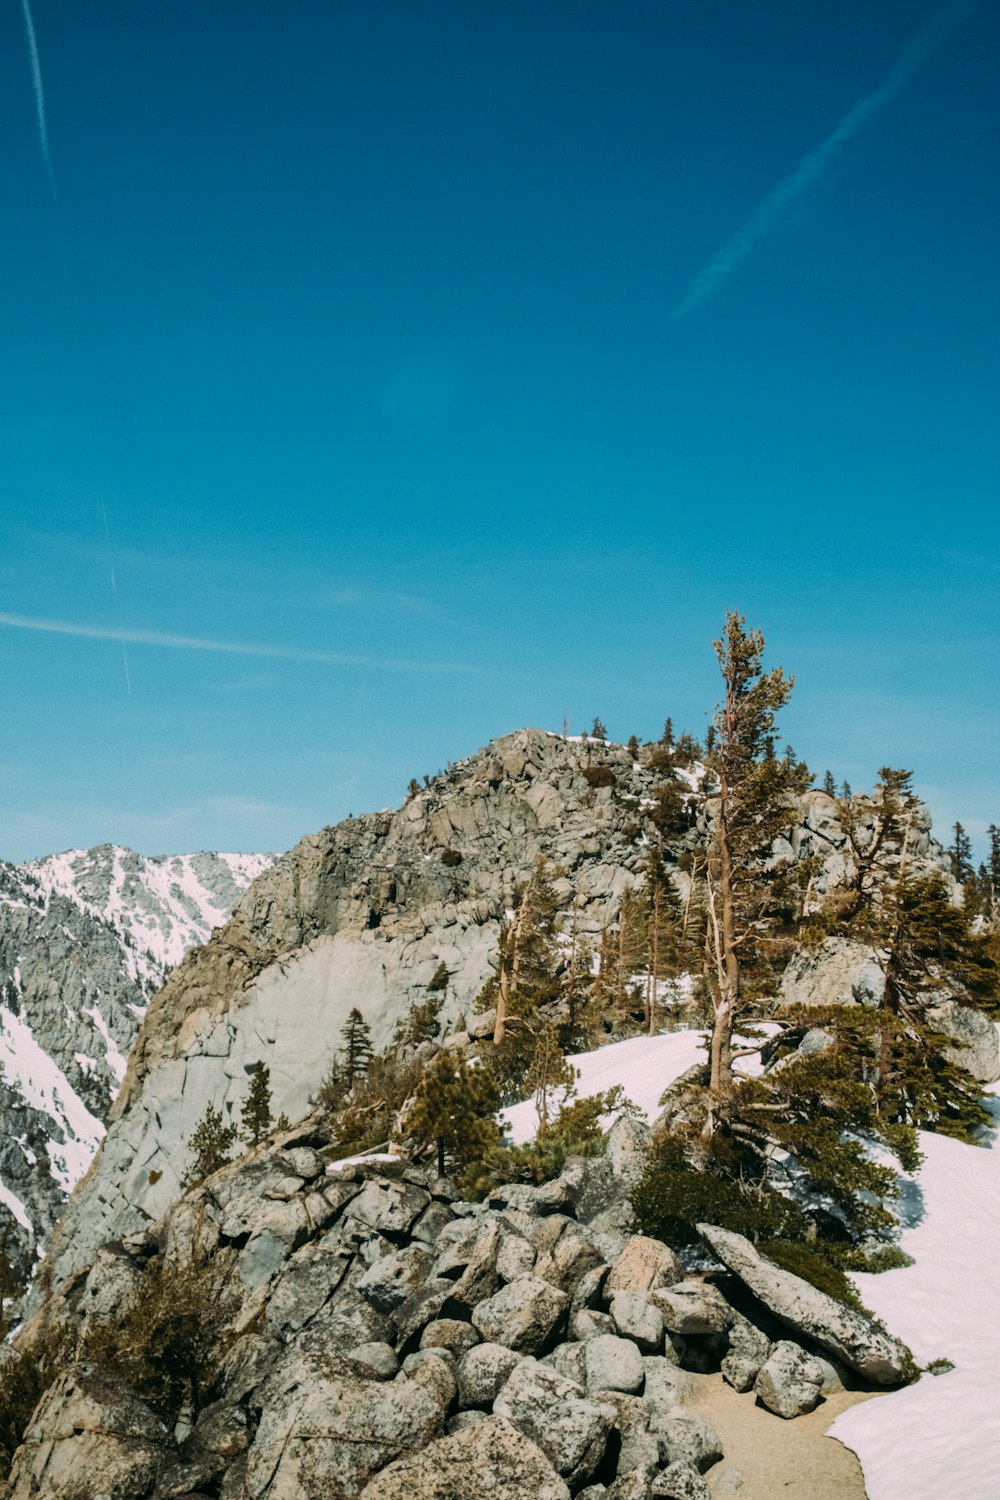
[(778, 1458)]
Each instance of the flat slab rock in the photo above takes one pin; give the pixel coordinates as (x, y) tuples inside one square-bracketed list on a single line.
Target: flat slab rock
[(849, 1335), (491, 1461)]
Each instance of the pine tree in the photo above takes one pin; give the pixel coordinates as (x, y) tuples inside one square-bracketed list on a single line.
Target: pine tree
[(633, 747), (746, 890), (667, 737), (829, 785), (598, 732), (528, 956), (960, 855), (256, 1118), (551, 1079), (210, 1146), (454, 1110), (356, 1042), (663, 932)]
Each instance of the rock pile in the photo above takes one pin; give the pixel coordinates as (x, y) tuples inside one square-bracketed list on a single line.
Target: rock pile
[(391, 1340)]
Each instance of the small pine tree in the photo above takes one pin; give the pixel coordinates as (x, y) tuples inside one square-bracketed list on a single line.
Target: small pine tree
[(439, 979), (960, 855), (829, 785), (454, 1110), (210, 1146), (667, 737), (633, 747), (551, 1079), (356, 1040), (256, 1118), (598, 732)]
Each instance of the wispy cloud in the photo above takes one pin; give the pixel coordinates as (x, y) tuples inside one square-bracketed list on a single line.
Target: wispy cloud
[(36, 78), (736, 249), (233, 648)]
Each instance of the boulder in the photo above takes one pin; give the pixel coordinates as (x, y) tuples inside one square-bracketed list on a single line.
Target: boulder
[(523, 1315), (688, 1438), (491, 1460), (515, 1258), (89, 1424), (679, 1481), (434, 1369), (327, 1433), (977, 1046), (848, 1335), (635, 1317), (693, 1307), (791, 1382), (643, 1265), (450, 1334), (748, 1352), (613, 1364), (482, 1372), (555, 1413), (381, 1359), (389, 1207), (389, 1282)]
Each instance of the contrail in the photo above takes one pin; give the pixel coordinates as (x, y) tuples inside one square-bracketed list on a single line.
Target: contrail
[(234, 648), (36, 77), (114, 590), (736, 249)]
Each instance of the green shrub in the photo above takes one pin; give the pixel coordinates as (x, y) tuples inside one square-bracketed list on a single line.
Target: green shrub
[(599, 776), (451, 858), (168, 1340)]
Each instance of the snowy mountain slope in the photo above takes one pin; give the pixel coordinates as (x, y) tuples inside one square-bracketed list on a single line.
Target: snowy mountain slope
[(85, 938), (160, 906)]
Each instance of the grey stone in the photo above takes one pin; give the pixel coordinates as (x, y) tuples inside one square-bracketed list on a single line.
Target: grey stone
[(435, 1370), (89, 1425), (450, 1334), (479, 1280), (325, 1432), (381, 1359), (635, 1317), (679, 1481), (389, 1207), (842, 1331), (613, 1364), (490, 1460), (394, 1278), (523, 1315), (587, 1324), (976, 1043), (462, 1420), (748, 1352), (515, 1258), (482, 1372), (572, 1257), (688, 1438), (643, 1265), (422, 1307), (555, 1413), (791, 1382), (693, 1307), (569, 1361), (638, 1485)]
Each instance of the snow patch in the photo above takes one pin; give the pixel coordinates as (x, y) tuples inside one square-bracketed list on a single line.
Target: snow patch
[(44, 1086)]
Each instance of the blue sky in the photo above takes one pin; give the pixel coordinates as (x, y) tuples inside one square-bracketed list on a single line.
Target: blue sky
[(471, 361)]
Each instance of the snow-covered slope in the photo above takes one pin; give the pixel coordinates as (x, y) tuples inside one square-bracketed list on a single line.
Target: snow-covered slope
[(941, 1437), (86, 938)]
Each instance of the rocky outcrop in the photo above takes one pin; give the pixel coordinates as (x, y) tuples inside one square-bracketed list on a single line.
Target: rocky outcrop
[(363, 915), (387, 1338), (85, 938), (850, 1336)]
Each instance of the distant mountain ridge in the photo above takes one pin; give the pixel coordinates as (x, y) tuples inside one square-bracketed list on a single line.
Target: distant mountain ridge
[(86, 937)]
